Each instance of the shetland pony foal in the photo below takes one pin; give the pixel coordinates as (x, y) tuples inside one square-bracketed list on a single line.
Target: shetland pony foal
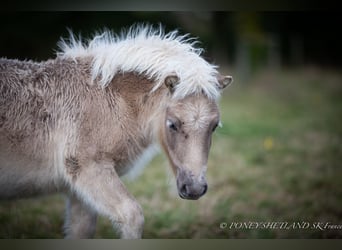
[(77, 123)]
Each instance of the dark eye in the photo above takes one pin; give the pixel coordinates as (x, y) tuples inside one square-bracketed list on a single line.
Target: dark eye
[(171, 125), (215, 126)]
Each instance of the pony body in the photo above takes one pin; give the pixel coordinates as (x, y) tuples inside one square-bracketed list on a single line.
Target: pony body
[(76, 123)]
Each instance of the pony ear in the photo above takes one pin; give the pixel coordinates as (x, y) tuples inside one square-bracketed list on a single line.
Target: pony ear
[(224, 81), (171, 82)]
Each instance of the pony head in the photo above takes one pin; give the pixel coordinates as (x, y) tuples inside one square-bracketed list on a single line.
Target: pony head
[(186, 135)]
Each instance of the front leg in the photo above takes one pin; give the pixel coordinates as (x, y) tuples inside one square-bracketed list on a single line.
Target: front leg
[(99, 186)]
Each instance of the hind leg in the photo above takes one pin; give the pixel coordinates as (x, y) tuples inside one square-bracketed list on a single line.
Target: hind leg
[(80, 221)]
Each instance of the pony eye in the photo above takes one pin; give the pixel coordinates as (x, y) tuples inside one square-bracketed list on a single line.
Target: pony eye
[(215, 127), (171, 125)]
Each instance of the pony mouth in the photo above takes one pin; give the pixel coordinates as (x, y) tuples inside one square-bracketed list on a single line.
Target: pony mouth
[(189, 189), (189, 196)]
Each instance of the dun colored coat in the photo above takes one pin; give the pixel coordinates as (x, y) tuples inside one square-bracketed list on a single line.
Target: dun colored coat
[(77, 123)]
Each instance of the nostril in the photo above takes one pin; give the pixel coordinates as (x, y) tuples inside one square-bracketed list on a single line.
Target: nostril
[(183, 189), (205, 188)]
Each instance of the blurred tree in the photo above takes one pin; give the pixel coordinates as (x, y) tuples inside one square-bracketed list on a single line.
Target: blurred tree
[(251, 43), (251, 40)]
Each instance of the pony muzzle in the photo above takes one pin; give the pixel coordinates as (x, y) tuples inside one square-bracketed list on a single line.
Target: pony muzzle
[(189, 188)]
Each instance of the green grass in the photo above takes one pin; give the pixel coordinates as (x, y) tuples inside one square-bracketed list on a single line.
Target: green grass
[(276, 158)]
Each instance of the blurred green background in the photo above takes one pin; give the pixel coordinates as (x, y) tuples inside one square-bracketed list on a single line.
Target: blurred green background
[(277, 156)]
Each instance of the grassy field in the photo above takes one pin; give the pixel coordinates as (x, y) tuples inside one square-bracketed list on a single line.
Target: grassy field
[(276, 159)]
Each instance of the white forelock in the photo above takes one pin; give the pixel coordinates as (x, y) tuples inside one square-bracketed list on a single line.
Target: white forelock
[(149, 51)]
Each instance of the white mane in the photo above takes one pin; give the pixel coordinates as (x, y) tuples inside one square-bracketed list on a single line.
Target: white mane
[(147, 51)]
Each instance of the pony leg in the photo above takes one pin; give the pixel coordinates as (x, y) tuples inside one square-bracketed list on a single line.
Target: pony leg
[(100, 187), (80, 221)]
